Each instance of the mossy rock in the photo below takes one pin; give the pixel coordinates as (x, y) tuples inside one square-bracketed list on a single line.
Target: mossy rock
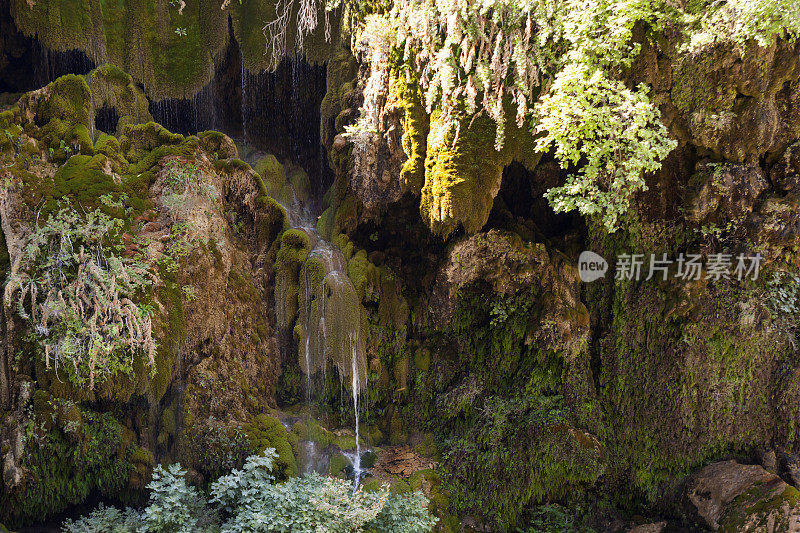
[(337, 465), (67, 98), (344, 441), (301, 184), (272, 220), (368, 459), (137, 140), (371, 485), (422, 359), (69, 464), (83, 179), (115, 89), (408, 94), (218, 143), (397, 433), (464, 169), (265, 431), (272, 173)]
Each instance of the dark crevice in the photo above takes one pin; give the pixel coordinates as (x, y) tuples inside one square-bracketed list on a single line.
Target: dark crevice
[(106, 119), (520, 206), (26, 65), (275, 112)]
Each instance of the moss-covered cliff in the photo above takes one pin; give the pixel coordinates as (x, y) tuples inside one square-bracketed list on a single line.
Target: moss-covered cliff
[(494, 379)]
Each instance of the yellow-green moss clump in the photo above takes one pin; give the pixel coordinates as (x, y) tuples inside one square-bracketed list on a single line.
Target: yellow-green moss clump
[(416, 124), (463, 170), (294, 248), (113, 88), (265, 431), (272, 172)]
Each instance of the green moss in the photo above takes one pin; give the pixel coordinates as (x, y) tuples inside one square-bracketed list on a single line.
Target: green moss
[(397, 433), (81, 452), (519, 452), (422, 359), (218, 143), (272, 221), (113, 88), (168, 49), (293, 251), (759, 507), (83, 180), (263, 432), (697, 84), (5, 259), (141, 37), (407, 92), (138, 140), (67, 98), (340, 71), (346, 217), (325, 223), (679, 359), (371, 485), (463, 172), (337, 464), (300, 183), (232, 165), (272, 172), (344, 441)]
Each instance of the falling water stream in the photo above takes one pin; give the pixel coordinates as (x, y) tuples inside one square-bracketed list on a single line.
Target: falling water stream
[(330, 313)]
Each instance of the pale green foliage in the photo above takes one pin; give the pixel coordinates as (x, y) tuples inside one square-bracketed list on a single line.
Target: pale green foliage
[(492, 55), (474, 54), (105, 519), (76, 289), (404, 513), (248, 501), (614, 132), (175, 507), (743, 20), (235, 490), (783, 293), (304, 505), (489, 56)]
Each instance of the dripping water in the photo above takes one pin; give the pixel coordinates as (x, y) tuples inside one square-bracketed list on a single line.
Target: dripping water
[(355, 387)]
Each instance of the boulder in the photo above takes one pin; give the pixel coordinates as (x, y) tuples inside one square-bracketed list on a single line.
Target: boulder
[(721, 193), (732, 497)]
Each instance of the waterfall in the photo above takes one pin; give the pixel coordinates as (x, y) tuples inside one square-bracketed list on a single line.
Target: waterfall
[(355, 387), (331, 317), (245, 106)]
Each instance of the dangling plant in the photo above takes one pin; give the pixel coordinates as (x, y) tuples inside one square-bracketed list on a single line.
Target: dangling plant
[(77, 290)]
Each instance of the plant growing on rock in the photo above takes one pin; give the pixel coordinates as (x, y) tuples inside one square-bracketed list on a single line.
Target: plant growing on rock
[(77, 290), (614, 132)]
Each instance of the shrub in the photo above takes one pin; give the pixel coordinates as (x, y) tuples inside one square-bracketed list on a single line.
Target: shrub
[(248, 501)]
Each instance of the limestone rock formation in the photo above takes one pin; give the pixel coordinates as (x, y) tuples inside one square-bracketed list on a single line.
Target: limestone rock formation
[(729, 496)]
